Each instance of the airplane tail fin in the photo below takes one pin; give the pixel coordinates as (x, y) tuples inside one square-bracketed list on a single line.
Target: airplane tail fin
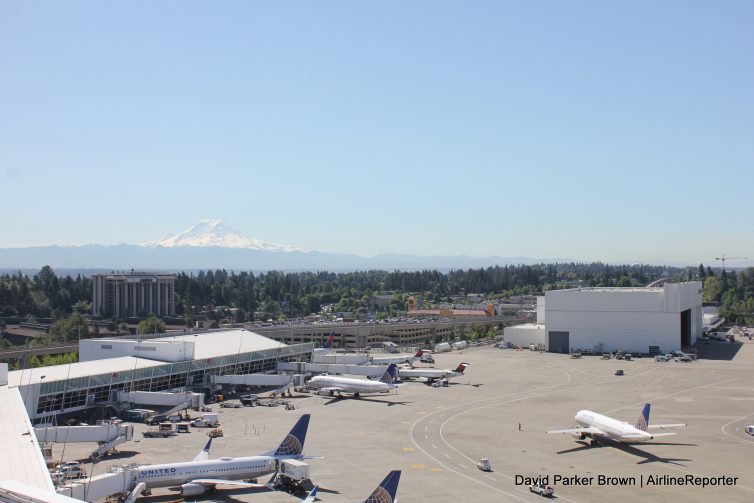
[(643, 422), (390, 374), (419, 353), (329, 343), (312, 495), (204, 453), (461, 367), (385, 492), (293, 443)]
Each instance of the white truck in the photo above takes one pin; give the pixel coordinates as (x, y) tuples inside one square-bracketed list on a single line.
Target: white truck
[(293, 473), (208, 420), (442, 347)]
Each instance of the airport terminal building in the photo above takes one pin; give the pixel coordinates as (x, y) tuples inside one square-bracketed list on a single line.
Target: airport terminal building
[(163, 363), (645, 320)]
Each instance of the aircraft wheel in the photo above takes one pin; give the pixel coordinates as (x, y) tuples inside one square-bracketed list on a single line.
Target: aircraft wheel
[(592, 442)]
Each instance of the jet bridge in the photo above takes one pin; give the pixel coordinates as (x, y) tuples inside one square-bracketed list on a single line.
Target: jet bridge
[(253, 379), (107, 435), (327, 368), (118, 481)]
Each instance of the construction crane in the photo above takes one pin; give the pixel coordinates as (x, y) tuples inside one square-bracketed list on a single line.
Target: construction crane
[(724, 258)]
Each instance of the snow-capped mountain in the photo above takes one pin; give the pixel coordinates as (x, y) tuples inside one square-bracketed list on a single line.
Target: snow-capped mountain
[(213, 232), (212, 244)]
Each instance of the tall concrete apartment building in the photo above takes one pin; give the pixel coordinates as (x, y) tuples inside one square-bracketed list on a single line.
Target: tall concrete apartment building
[(119, 295)]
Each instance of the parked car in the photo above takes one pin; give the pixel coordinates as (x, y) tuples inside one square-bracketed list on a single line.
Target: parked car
[(542, 490)]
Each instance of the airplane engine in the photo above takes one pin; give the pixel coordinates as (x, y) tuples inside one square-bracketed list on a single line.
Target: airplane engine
[(579, 436), (324, 392), (192, 489)]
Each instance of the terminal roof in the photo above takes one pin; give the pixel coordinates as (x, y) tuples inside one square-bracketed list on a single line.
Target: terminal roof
[(23, 461), (79, 369)]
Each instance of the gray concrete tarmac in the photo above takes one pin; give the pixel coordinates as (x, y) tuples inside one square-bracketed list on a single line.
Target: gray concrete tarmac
[(436, 435)]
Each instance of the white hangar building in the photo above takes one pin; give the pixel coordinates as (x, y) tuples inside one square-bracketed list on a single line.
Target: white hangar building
[(638, 320)]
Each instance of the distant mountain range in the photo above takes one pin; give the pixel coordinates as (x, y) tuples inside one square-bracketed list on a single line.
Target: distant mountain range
[(211, 244)]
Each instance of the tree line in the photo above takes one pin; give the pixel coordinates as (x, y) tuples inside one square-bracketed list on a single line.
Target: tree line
[(274, 295)]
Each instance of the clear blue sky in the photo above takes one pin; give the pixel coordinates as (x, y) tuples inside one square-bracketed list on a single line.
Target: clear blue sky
[(621, 132)]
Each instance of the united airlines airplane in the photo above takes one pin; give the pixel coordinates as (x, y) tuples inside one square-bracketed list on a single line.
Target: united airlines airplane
[(595, 425), (195, 477), (385, 492), (340, 385)]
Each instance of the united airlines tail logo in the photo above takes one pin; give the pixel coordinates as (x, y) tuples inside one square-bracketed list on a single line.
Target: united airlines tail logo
[(641, 424), (380, 495), (291, 445)]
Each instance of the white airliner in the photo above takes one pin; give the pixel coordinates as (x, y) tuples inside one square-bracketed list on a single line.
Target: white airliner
[(385, 492), (197, 476), (432, 374), (595, 425), (340, 385)]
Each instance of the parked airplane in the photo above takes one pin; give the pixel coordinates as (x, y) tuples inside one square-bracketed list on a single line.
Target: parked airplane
[(385, 492), (422, 355), (432, 374), (340, 385), (197, 476), (595, 425)]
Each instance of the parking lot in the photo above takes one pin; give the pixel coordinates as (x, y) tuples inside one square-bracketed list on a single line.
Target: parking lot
[(500, 410)]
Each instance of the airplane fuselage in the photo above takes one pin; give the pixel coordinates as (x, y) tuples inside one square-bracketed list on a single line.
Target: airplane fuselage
[(174, 474), (427, 373), (349, 385), (612, 428)]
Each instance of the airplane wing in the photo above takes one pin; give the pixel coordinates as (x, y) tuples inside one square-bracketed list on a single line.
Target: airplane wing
[(217, 482), (588, 431), (677, 425)]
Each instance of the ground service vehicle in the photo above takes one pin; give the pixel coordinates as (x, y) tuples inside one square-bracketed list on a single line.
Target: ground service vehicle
[(484, 465), (158, 433), (206, 421), (71, 470), (248, 400), (542, 490), (619, 372), (749, 429)]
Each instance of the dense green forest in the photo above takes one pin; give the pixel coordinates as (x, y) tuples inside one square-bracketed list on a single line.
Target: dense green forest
[(276, 294)]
